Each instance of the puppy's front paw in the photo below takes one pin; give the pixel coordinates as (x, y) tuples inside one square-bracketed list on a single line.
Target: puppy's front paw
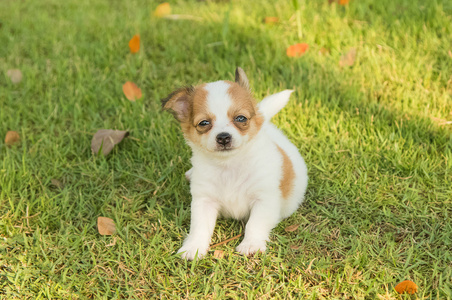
[(189, 250), (250, 247)]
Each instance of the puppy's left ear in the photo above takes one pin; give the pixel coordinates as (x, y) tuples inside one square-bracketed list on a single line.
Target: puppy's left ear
[(179, 103), (241, 79)]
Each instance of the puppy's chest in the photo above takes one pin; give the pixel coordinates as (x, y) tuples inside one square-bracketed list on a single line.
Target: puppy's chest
[(234, 189)]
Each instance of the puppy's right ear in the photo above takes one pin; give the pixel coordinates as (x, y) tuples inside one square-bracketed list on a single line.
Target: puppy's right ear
[(179, 103)]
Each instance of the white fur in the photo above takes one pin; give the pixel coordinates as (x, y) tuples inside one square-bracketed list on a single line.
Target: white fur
[(243, 183)]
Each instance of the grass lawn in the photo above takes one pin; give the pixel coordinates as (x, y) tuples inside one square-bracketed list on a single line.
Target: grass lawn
[(376, 136)]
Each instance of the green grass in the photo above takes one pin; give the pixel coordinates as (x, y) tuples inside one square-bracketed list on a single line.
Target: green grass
[(378, 206)]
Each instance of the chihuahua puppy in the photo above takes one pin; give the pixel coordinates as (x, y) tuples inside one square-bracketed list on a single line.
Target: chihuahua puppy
[(243, 166)]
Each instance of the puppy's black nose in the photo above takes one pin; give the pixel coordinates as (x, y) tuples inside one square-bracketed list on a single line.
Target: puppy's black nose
[(223, 138)]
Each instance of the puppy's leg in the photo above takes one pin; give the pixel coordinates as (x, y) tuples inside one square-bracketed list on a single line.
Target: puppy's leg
[(263, 218), (203, 217)]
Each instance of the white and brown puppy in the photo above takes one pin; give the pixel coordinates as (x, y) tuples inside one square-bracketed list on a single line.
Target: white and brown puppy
[(243, 166)]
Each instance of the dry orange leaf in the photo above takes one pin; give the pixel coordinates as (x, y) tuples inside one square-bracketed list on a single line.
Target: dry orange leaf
[(271, 20), (15, 75), (297, 50), (406, 286), (348, 59), (134, 44), (162, 10), (343, 2), (105, 226), (218, 254), (292, 227), (12, 138), (131, 91)]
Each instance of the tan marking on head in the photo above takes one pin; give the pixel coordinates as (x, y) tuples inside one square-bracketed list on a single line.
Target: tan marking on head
[(244, 104), (288, 174), (199, 112)]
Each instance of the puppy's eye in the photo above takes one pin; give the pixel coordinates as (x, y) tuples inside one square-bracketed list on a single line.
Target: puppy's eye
[(204, 123), (240, 119)]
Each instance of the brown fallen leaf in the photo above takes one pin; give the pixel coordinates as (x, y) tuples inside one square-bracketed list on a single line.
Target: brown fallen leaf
[(406, 286), (271, 20), (105, 226), (162, 10), (15, 75), (107, 139), (348, 59), (292, 228), (218, 254), (131, 91), (134, 43), (57, 183), (294, 247), (12, 138)]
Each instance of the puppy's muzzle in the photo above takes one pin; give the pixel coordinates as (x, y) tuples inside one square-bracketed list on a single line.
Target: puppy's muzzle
[(224, 139)]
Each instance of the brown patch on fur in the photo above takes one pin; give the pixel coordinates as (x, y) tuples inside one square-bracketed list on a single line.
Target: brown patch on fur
[(199, 112), (189, 107), (244, 104), (286, 183)]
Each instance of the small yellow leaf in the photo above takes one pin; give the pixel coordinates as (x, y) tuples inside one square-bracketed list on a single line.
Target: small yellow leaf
[(218, 254), (406, 286), (271, 20), (12, 138), (292, 227), (15, 75), (162, 10), (105, 226), (134, 44)]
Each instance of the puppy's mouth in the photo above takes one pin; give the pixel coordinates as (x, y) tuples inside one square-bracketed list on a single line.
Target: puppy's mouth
[(226, 148)]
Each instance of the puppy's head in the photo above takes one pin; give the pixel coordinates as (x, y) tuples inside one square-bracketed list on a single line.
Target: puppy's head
[(217, 117)]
